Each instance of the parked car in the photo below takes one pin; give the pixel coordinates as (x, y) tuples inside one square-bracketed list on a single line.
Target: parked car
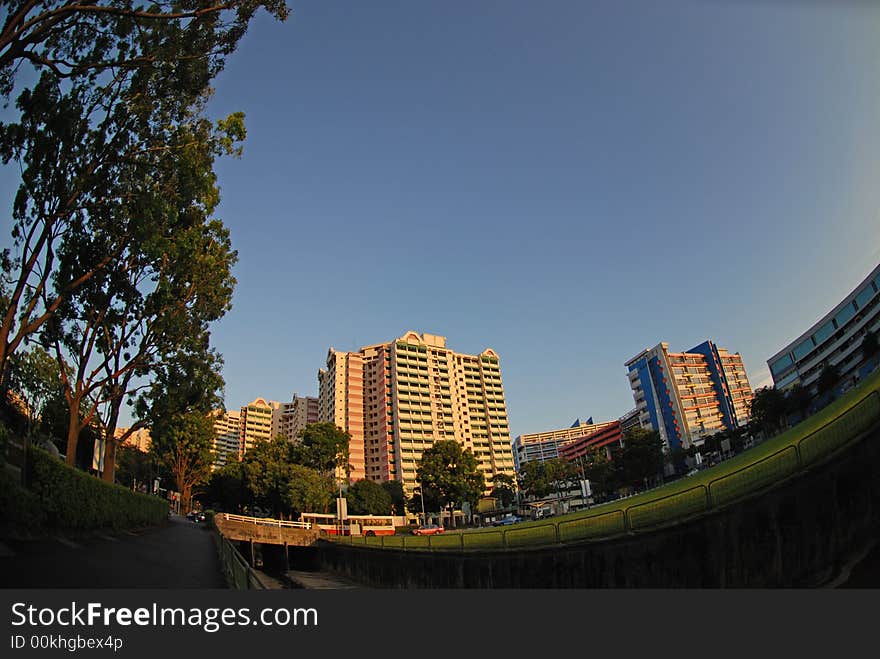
[(504, 521), (428, 529)]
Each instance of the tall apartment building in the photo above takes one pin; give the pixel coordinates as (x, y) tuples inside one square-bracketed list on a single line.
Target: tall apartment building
[(396, 399), (299, 413), (139, 439), (255, 424), (687, 396), (227, 427), (835, 339)]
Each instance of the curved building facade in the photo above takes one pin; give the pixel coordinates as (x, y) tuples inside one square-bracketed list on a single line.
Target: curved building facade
[(834, 340)]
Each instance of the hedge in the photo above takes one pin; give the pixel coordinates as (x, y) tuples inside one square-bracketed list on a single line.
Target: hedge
[(73, 500)]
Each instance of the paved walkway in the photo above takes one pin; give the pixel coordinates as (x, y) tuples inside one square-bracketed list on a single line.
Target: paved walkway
[(319, 581), (180, 554)]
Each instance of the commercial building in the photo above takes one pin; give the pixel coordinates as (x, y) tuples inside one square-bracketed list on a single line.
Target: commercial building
[(604, 436), (546, 445), (834, 340), (687, 396), (396, 399)]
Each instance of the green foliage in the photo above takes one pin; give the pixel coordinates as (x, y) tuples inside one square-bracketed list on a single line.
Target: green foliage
[(227, 488), (599, 470), (182, 444), (828, 379), (73, 500), (433, 501), (640, 458), (310, 491), (20, 510), (136, 468), (451, 472), (268, 470), (368, 498), (767, 410), (398, 496), (34, 376), (539, 479), (797, 400), (323, 447), (504, 489)]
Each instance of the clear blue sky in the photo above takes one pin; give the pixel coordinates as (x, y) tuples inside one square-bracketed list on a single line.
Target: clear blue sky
[(565, 182)]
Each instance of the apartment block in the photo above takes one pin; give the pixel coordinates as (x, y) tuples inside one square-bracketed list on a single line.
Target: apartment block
[(255, 424), (397, 398), (227, 428), (139, 439), (687, 396), (299, 413)]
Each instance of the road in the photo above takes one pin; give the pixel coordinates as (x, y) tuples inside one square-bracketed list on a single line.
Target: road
[(180, 554)]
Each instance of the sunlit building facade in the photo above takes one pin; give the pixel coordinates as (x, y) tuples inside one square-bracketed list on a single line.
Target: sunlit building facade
[(688, 396), (396, 399)]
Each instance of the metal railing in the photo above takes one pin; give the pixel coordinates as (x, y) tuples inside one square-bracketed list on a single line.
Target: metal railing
[(265, 521), (793, 455), (239, 575)]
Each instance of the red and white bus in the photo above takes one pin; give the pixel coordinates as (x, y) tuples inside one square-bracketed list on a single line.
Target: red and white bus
[(354, 524)]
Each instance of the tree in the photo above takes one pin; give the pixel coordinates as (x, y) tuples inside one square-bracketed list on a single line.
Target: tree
[(828, 379), (797, 400), (640, 457), (433, 502), (136, 469), (183, 445), (767, 410), (599, 470), (113, 80), (453, 473), (323, 447), (504, 489), (227, 488), (34, 378), (268, 469), (398, 497), (368, 498), (163, 290), (310, 490), (533, 480), (185, 388)]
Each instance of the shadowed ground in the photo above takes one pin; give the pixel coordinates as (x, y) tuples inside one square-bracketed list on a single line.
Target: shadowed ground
[(180, 554)]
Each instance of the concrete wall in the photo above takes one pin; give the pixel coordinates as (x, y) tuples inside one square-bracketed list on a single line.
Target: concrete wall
[(797, 535)]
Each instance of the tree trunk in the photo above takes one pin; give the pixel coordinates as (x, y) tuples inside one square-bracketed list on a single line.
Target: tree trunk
[(73, 430), (109, 461)]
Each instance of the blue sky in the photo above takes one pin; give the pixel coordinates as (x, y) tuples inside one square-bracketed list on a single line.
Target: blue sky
[(565, 182)]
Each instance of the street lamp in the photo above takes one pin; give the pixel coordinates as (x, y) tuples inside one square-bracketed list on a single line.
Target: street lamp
[(422, 499)]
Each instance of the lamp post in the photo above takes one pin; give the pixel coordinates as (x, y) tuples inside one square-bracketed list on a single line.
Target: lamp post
[(422, 499)]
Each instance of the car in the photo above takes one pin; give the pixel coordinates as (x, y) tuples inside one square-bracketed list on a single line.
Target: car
[(428, 529), (504, 521)]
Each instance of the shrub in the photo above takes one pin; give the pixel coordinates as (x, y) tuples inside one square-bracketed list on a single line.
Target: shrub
[(73, 500)]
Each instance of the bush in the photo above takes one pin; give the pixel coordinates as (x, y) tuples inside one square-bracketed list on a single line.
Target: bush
[(19, 509), (73, 500)]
